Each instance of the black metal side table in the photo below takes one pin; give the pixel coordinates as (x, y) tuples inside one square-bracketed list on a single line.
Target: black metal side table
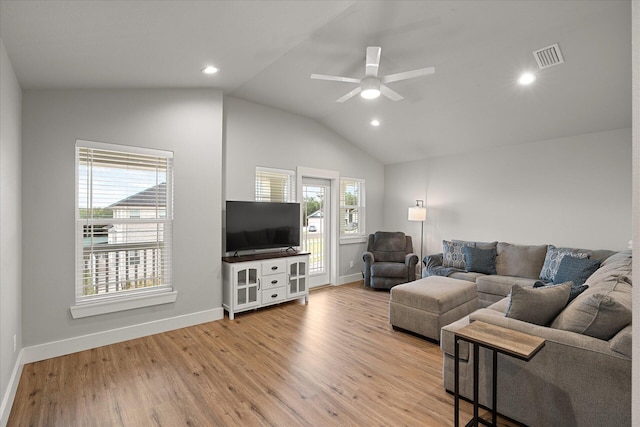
[(500, 340)]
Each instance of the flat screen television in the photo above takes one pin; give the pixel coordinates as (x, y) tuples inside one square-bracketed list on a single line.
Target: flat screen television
[(262, 225)]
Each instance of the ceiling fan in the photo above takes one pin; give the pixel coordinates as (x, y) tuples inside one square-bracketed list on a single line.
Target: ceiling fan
[(371, 86)]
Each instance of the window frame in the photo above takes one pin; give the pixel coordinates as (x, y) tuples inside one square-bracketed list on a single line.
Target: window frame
[(361, 234), (90, 305), (289, 176)]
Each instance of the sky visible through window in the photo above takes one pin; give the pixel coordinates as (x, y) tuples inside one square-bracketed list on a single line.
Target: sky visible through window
[(110, 184)]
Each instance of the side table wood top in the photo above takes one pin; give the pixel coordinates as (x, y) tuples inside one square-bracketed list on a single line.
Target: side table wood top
[(514, 343)]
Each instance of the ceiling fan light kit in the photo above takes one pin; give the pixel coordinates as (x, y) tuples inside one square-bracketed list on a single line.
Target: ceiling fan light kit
[(371, 86)]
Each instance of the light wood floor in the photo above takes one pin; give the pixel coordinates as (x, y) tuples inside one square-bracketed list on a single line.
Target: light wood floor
[(335, 361)]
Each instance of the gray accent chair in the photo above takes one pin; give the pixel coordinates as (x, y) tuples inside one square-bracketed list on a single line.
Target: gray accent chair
[(389, 260)]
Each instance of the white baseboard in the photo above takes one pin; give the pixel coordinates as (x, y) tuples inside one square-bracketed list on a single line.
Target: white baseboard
[(85, 342), (10, 392), (349, 279)]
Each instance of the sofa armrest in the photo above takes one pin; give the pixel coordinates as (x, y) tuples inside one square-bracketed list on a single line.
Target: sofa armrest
[(431, 261), (566, 338), (411, 260), (368, 258)]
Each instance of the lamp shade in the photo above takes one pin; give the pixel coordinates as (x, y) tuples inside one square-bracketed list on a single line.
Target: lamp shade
[(417, 213)]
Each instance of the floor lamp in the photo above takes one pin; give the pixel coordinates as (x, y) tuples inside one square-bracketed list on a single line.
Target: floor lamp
[(419, 213)]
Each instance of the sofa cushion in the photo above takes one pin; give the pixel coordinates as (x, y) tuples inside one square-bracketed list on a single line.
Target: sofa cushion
[(621, 342), (480, 260), (389, 269), (539, 306), (389, 246), (520, 260), (601, 311), (553, 258), (576, 270), (500, 285), (469, 276)]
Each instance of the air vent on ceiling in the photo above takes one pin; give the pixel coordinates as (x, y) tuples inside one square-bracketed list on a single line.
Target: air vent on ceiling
[(548, 56)]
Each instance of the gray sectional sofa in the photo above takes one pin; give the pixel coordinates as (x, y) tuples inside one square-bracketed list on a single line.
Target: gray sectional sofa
[(582, 376), (514, 264)]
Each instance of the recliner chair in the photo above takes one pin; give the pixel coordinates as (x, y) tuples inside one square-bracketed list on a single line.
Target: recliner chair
[(389, 260)]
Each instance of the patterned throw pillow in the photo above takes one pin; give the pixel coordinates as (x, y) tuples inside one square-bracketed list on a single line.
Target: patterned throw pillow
[(576, 270), (453, 253), (553, 259)]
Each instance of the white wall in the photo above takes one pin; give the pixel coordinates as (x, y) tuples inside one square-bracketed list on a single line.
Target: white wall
[(573, 191), (10, 229), (187, 122), (262, 136)]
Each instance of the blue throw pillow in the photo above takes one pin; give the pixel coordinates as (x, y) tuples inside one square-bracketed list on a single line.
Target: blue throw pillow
[(576, 270), (480, 260), (575, 290), (553, 259)]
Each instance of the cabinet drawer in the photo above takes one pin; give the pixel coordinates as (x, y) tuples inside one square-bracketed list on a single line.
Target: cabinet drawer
[(275, 266), (273, 295), (274, 281)]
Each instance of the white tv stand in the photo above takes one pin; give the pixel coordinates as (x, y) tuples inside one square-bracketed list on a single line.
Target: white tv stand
[(254, 281)]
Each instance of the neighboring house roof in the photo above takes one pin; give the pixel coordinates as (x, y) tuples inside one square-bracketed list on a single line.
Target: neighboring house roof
[(152, 196), (316, 214)]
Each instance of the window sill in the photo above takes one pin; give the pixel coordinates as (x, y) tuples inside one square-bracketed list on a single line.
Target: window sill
[(104, 307), (351, 240)]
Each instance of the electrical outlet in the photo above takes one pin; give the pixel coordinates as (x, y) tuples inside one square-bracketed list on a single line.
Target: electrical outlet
[(15, 343), (350, 264)]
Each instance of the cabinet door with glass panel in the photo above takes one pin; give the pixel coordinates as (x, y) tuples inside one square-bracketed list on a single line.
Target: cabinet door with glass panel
[(297, 275), (246, 278)]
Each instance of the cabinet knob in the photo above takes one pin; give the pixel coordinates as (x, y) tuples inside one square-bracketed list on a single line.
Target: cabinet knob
[(273, 282), (274, 267), (274, 295)]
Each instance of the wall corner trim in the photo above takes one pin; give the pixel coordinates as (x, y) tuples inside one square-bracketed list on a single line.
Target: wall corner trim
[(12, 387)]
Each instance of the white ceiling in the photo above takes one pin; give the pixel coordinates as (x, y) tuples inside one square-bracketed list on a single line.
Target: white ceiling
[(266, 51)]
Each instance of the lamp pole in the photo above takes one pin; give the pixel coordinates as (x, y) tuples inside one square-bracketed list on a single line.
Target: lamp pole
[(419, 213)]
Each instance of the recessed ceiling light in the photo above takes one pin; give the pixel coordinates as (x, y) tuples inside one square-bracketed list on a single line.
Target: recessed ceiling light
[(526, 79), (375, 122), (209, 70)]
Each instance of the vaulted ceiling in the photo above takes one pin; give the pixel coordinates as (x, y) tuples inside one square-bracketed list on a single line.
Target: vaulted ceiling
[(266, 51)]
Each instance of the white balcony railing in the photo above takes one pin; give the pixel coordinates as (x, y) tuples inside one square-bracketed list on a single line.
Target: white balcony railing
[(110, 268)]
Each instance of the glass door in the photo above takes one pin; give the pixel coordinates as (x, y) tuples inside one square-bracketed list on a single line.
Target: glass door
[(315, 228)]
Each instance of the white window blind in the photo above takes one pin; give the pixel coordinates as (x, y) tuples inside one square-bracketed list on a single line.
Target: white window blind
[(352, 207), (275, 185), (124, 215)]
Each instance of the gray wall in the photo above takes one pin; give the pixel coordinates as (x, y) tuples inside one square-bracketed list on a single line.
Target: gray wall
[(262, 136), (187, 122), (573, 191), (10, 220)]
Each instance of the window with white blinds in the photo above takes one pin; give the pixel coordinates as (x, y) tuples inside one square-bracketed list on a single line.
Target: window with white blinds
[(124, 216), (352, 207), (275, 185)]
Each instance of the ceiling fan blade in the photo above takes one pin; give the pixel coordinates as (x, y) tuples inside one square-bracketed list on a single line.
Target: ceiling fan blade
[(335, 78), (349, 95), (373, 61), (408, 75), (391, 94)]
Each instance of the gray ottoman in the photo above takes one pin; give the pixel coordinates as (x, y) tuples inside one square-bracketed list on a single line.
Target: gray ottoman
[(426, 305)]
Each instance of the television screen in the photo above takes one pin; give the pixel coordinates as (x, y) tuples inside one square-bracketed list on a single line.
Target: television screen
[(262, 225)]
